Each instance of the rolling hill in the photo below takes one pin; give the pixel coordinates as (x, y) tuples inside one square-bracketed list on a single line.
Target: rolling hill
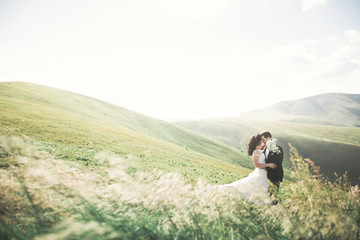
[(327, 135), (73, 167), (328, 109), (75, 128)]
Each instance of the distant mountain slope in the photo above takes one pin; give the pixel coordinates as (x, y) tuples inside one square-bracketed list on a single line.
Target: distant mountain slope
[(330, 108), (76, 127), (333, 148)]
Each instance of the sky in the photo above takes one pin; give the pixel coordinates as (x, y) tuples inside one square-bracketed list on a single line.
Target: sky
[(184, 59)]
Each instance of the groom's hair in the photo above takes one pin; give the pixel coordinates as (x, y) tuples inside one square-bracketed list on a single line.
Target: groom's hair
[(266, 134)]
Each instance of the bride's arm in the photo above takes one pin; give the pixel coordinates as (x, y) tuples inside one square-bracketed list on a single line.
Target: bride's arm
[(262, 165)]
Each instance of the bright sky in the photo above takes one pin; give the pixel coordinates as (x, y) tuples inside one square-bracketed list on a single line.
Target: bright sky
[(184, 59)]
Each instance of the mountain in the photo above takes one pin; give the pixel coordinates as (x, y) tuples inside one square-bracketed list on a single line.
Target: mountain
[(332, 143), (328, 109), (76, 128)]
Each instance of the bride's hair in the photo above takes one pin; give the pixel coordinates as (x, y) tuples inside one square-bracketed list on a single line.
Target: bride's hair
[(253, 142)]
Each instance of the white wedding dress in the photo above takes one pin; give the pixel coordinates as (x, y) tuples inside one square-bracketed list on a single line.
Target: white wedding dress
[(254, 187)]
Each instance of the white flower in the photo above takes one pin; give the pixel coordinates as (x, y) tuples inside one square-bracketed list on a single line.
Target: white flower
[(271, 145)]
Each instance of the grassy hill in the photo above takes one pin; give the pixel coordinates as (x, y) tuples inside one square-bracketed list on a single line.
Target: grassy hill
[(330, 108), (333, 148), (76, 128), (73, 167)]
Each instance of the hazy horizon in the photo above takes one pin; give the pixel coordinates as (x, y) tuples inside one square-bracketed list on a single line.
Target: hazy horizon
[(173, 59)]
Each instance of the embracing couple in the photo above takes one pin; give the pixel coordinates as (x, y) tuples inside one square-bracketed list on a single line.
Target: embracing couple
[(261, 185)]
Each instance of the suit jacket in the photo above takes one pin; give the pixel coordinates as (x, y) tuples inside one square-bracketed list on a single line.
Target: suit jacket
[(277, 174)]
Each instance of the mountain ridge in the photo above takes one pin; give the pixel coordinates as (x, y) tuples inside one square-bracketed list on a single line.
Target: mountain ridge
[(329, 108), (324, 128)]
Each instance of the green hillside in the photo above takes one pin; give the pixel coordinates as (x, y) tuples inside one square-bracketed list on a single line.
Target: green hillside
[(333, 148), (73, 167), (75, 128)]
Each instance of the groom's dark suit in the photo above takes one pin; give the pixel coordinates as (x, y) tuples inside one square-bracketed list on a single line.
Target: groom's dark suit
[(275, 175)]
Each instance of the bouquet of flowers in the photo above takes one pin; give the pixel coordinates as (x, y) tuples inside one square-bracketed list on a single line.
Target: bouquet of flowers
[(271, 145)]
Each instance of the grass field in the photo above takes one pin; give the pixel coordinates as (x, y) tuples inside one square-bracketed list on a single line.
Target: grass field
[(44, 198), (73, 167)]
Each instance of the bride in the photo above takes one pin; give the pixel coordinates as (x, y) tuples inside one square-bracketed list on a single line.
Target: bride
[(255, 186)]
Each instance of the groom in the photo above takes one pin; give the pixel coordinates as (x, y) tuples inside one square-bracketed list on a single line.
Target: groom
[(273, 154)]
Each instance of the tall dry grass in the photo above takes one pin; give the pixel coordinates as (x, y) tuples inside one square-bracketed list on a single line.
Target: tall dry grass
[(45, 198)]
